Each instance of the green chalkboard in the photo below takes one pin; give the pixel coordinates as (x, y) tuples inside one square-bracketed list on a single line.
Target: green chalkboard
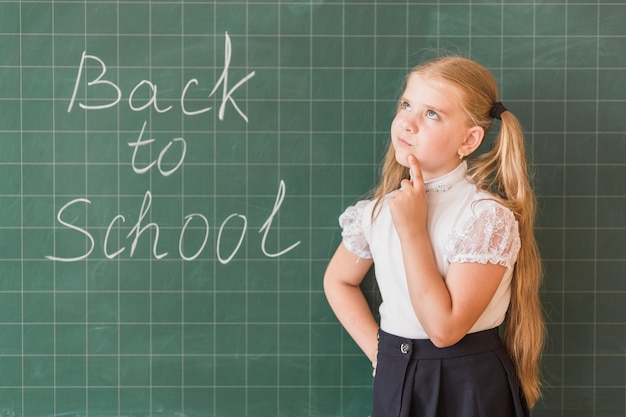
[(172, 173)]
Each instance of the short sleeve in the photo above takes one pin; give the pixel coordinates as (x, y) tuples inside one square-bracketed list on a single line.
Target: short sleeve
[(491, 236), (353, 234)]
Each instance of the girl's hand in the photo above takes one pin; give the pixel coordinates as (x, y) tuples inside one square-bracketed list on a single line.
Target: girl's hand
[(408, 203)]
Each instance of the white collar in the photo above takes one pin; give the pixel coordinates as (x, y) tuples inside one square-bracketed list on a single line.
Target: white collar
[(447, 181)]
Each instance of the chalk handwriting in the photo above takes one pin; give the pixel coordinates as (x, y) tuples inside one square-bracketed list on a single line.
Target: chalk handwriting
[(219, 237), (152, 101), (78, 229), (141, 142), (268, 223), (142, 150), (139, 229)]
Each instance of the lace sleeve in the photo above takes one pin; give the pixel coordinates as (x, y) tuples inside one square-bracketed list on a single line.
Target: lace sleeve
[(491, 235), (353, 235)]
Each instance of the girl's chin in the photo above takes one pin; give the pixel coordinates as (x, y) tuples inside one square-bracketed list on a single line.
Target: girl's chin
[(403, 158)]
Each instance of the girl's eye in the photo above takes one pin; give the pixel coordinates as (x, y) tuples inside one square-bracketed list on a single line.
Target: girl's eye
[(405, 106), (431, 114)]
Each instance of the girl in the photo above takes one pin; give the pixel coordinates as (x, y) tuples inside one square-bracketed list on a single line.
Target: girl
[(451, 240)]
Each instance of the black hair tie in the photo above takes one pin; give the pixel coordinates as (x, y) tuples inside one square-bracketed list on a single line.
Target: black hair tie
[(496, 110)]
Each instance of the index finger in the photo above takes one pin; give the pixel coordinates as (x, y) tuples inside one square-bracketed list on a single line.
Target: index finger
[(414, 169)]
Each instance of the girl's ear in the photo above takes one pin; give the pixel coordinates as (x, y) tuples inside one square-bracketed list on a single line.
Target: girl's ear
[(473, 139)]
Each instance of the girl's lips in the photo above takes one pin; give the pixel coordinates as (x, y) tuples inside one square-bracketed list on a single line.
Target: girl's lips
[(403, 142)]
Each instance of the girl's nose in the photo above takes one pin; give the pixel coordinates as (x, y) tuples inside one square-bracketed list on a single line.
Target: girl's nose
[(408, 125)]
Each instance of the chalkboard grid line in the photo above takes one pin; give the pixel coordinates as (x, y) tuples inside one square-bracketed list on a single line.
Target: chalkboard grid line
[(563, 185), (54, 244), (21, 222), (605, 68), (342, 187), (310, 272), (214, 270), (337, 132), (247, 156), (595, 220), (235, 36), (183, 210), (119, 269), (352, 3), (87, 317), (278, 134)]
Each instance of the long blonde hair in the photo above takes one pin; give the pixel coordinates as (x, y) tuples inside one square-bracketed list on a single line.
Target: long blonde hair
[(503, 172)]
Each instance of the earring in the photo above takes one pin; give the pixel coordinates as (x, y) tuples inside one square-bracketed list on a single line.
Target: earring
[(461, 156)]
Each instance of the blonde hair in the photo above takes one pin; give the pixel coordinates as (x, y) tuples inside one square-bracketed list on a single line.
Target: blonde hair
[(503, 172)]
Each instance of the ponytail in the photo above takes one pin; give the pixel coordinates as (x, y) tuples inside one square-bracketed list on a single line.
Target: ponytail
[(503, 172)]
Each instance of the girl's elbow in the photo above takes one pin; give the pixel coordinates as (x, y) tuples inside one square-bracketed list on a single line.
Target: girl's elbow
[(330, 277), (444, 339), (441, 343), (327, 283), (331, 283)]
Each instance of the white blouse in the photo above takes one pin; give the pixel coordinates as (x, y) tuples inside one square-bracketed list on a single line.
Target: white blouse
[(464, 225)]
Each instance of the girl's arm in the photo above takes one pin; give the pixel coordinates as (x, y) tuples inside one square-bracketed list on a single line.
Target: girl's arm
[(343, 276), (447, 309)]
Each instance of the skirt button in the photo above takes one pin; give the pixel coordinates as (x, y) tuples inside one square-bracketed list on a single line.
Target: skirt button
[(404, 348)]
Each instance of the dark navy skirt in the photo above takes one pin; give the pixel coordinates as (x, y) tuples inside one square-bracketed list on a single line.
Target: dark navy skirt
[(473, 378)]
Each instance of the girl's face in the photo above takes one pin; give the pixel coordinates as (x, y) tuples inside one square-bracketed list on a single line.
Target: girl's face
[(431, 125)]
